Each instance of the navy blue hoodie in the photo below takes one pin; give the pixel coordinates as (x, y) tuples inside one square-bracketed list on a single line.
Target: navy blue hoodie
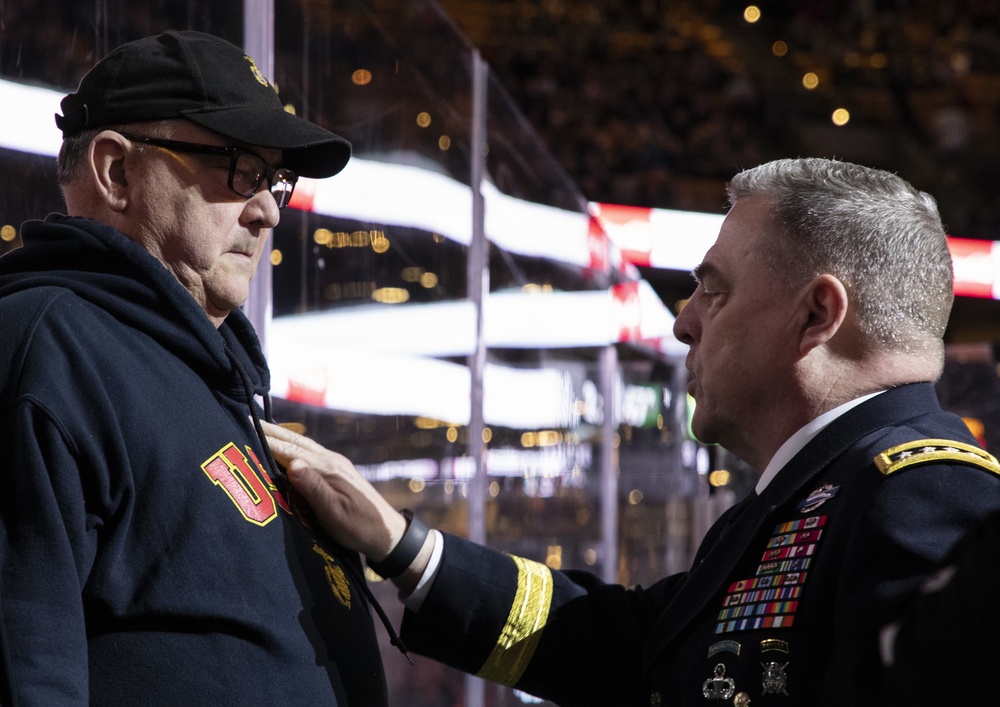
[(148, 554)]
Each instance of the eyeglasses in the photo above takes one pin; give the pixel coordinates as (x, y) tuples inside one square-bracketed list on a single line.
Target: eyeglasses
[(247, 170)]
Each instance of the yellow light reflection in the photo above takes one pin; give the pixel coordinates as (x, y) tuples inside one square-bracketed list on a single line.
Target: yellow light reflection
[(751, 14), (423, 119), (276, 257), (380, 243), (444, 143), (487, 434), (635, 497), (840, 116), (554, 557), (361, 77), (810, 80), (452, 434), (719, 477), (976, 426), (541, 438), (548, 438), (417, 485), (779, 48), (494, 489), (8, 233), (390, 295), (428, 280)]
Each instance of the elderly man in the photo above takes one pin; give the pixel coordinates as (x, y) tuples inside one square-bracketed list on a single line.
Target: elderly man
[(149, 554), (815, 335)]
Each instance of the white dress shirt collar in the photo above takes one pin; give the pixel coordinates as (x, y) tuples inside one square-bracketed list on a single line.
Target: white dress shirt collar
[(794, 444)]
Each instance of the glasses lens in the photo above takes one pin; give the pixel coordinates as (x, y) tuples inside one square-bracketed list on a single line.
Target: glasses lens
[(248, 173), (282, 186)]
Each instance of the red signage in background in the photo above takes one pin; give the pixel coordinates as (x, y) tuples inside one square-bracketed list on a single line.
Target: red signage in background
[(627, 311), (304, 195), (599, 246), (629, 228), (975, 265)]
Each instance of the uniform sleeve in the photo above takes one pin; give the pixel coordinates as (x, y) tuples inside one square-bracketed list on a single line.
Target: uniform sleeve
[(910, 526), (940, 640), (47, 543), (902, 537), (564, 636)]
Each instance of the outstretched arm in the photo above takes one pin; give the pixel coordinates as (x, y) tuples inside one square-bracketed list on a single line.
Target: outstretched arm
[(347, 507)]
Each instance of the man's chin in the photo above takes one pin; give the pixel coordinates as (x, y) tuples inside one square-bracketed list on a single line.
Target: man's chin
[(703, 431)]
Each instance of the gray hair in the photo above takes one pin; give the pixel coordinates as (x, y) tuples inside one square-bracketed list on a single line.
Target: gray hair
[(73, 151), (871, 229)]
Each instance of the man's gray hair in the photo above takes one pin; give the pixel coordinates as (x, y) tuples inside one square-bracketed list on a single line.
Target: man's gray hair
[(73, 152), (871, 229)]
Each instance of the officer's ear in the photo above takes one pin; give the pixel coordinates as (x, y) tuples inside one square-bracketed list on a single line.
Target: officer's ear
[(825, 307), (106, 162)]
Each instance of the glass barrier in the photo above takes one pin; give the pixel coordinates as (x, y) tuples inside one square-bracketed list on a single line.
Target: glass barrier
[(372, 341)]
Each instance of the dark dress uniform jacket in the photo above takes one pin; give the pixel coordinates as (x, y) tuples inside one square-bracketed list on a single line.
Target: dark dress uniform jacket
[(849, 527)]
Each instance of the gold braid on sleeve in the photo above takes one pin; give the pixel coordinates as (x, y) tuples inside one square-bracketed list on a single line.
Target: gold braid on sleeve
[(528, 616)]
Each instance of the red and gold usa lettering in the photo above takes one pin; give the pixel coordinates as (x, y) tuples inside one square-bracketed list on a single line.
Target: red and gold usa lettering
[(253, 493)]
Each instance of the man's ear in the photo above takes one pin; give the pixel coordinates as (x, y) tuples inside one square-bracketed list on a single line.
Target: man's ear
[(106, 160), (826, 305)]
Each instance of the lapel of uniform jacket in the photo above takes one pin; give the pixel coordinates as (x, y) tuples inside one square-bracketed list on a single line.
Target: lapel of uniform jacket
[(705, 581)]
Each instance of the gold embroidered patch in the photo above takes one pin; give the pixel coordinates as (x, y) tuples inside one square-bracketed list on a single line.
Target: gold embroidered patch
[(256, 72), (924, 451), (335, 577), (528, 615)]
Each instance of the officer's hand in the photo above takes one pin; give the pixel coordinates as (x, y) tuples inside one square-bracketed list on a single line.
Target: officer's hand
[(345, 504)]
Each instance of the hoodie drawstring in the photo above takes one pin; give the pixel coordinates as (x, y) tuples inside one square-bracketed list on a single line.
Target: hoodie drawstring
[(358, 577)]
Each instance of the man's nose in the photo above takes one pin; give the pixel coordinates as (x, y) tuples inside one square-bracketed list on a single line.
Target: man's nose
[(683, 326)]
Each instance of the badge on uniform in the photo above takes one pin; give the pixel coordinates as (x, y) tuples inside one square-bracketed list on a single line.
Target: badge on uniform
[(817, 498), (774, 679), (718, 687)]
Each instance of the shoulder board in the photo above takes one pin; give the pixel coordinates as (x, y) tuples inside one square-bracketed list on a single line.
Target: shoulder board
[(924, 451)]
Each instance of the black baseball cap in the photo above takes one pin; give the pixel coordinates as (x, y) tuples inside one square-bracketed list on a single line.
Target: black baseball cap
[(208, 81)]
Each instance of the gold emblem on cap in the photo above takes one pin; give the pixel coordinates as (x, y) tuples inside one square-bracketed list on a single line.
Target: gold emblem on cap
[(256, 72)]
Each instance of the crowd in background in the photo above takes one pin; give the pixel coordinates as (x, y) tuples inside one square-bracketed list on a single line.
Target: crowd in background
[(658, 102), (655, 102)]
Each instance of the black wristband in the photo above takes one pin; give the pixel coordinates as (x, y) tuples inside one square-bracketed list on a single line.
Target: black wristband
[(406, 549)]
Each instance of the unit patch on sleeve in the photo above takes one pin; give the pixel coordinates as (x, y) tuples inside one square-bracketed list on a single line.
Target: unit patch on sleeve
[(925, 451)]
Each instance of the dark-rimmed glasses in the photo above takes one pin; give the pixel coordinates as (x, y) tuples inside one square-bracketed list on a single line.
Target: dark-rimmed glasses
[(247, 170)]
